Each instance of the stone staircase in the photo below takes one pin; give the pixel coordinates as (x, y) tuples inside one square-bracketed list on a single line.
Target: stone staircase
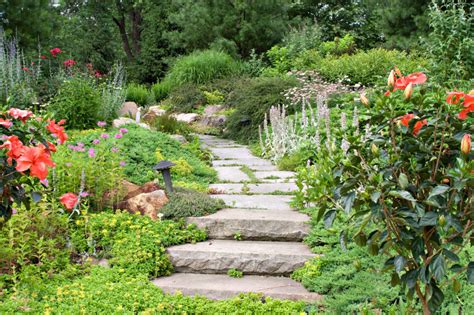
[(258, 234)]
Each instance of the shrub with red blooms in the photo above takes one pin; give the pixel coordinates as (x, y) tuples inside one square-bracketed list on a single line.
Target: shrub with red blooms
[(406, 186), (26, 146)]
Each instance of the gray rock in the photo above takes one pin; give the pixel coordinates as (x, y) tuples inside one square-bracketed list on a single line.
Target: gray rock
[(119, 122), (129, 109), (153, 112), (250, 257), (220, 287), (252, 224), (212, 109), (179, 138), (213, 121), (232, 153), (186, 118)]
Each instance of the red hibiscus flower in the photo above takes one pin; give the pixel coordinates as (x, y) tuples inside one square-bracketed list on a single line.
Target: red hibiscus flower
[(43, 57), (418, 125), (405, 119), (58, 130), (98, 74), (16, 113), (55, 51), (14, 147), (69, 63), (69, 200), (35, 159), (454, 97), (5, 123), (414, 78)]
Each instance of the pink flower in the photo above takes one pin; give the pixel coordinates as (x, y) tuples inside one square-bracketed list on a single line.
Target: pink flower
[(114, 150), (45, 182), (14, 211), (54, 52), (98, 74), (96, 141), (91, 153), (101, 124), (104, 136), (123, 130), (80, 144), (118, 136), (69, 200), (122, 163), (16, 113), (69, 63), (84, 194)]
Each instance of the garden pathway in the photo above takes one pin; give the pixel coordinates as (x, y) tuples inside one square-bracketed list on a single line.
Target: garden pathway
[(258, 234)]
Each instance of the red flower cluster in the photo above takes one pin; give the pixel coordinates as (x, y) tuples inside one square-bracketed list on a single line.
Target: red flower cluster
[(401, 83), (69, 63), (36, 159), (55, 51), (57, 130), (405, 120), (69, 200), (468, 102)]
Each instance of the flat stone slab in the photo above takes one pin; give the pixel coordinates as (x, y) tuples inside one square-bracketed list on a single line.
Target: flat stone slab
[(254, 224), (231, 174), (250, 162), (272, 202), (263, 167), (263, 188), (274, 174), (250, 257), (231, 153), (220, 287)]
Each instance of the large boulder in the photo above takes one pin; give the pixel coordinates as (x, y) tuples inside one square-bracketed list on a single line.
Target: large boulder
[(153, 112), (186, 118), (129, 109), (213, 121), (148, 204), (119, 122), (212, 109)]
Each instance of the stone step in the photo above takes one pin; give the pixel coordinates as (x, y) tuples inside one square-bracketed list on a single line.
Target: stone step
[(250, 257), (231, 153), (272, 202), (269, 175), (262, 188), (252, 224), (220, 287), (231, 174), (250, 162)]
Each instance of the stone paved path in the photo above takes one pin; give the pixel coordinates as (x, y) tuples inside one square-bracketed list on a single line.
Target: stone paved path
[(258, 234)]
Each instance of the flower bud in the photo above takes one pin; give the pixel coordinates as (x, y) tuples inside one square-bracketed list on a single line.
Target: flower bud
[(408, 91), (391, 79), (398, 72), (442, 220), (374, 149), (364, 100), (466, 144)]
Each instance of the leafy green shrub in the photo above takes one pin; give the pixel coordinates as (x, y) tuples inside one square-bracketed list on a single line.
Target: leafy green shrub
[(135, 244), (90, 162), (185, 98), (339, 46), (188, 203), (161, 90), (252, 98), (35, 239), (169, 124), (201, 67), (367, 68), (138, 93), (234, 273), (103, 291), (139, 150), (214, 97), (280, 58), (450, 42), (78, 102)]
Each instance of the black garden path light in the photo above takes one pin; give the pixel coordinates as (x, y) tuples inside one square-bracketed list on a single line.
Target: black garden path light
[(164, 167)]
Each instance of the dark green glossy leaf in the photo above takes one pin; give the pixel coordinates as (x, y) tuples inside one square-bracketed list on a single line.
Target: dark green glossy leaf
[(429, 219), (329, 218), (375, 196), (438, 267), (399, 262), (436, 299), (438, 190), (450, 255), (403, 181), (470, 272), (348, 201), (403, 194)]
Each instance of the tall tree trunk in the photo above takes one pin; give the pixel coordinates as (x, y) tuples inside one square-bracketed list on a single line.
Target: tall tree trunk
[(136, 19), (123, 30)]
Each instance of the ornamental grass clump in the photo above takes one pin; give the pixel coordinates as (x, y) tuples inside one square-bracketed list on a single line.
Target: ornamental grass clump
[(405, 185)]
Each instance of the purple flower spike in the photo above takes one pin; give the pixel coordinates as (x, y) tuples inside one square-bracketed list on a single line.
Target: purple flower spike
[(101, 124), (123, 130), (104, 136)]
